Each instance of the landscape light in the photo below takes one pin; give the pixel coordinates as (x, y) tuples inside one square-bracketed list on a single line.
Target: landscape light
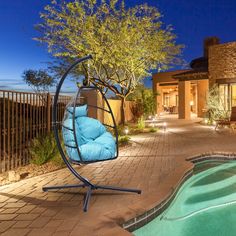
[(126, 131), (206, 121), (149, 117), (164, 126), (214, 122)]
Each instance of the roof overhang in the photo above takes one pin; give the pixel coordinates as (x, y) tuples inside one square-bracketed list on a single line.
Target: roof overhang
[(192, 75)]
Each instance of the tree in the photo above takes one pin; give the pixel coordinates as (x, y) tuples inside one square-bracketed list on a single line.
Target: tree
[(216, 106), (39, 80), (126, 43), (145, 101)]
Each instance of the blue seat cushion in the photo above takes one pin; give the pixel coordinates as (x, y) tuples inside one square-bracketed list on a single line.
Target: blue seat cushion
[(94, 142)]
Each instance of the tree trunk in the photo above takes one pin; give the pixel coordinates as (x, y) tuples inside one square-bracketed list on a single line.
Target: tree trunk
[(122, 110)]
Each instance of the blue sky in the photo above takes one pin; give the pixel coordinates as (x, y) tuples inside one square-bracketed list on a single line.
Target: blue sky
[(192, 20)]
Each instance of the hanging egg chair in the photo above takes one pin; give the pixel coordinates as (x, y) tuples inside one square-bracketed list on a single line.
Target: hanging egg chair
[(85, 139)]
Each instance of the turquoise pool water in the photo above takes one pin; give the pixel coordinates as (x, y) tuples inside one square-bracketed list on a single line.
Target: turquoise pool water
[(205, 205)]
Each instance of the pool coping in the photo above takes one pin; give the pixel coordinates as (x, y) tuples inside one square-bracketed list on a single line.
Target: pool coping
[(144, 218)]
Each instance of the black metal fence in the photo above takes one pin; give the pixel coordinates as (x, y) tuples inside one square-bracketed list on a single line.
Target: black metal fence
[(23, 116)]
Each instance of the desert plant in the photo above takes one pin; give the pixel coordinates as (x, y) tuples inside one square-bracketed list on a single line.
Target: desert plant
[(141, 123), (123, 140), (58, 161), (215, 105), (153, 130), (144, 102), (43, 149)]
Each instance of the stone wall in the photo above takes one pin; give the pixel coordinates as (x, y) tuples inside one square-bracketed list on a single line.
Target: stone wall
[(222, 61)]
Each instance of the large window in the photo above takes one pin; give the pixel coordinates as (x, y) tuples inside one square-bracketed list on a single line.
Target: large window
[(228, 95), (224, 96)]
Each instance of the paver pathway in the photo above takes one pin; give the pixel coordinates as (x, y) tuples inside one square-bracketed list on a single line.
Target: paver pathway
[(148, 164)]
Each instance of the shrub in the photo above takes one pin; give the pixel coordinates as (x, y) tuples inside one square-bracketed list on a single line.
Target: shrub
[(144, 102), (153, 130), (43, 149), (216, 106), (123, 140), (58, 161), (141, 123)]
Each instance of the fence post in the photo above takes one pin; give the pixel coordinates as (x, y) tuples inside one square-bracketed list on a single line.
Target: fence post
[(48, 112)]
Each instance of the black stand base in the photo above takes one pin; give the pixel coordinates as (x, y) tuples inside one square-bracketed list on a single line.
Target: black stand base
[(91, 187)]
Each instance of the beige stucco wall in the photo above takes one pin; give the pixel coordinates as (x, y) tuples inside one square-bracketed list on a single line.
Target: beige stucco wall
[(95, 99), (115, 106), (222, 61), (202, 90), (159, 98), (184, 99)]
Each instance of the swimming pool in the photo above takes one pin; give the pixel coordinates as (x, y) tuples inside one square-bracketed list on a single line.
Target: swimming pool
[(205, 205)]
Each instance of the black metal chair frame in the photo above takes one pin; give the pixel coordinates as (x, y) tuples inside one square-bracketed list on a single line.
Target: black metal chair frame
[(56, 124)]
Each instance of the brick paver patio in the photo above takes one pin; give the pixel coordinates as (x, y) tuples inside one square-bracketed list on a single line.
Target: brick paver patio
[(154, 163)]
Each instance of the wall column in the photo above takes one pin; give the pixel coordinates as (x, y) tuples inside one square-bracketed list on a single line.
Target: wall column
[(184, 99), (159, 98), (202, 89)]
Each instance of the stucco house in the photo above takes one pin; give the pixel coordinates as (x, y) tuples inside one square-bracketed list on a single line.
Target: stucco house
[(185, 91)]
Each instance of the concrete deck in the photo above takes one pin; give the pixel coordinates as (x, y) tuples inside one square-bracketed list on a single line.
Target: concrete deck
[(155, 163)]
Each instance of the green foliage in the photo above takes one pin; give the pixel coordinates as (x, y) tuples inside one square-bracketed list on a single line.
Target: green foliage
[(126, 43), (215, 105), (120, 129), (123, 140), (39, 80), (58, 161), (43, 149), (145, 101), (153, 130), (141, 123)]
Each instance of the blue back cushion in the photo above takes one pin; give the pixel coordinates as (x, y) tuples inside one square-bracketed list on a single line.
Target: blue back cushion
[(79, 111), (89, 128)]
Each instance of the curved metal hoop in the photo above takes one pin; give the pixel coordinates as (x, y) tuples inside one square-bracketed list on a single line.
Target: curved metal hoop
[(55, 121)]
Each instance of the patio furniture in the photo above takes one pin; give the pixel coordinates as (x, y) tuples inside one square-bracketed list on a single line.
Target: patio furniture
[(86, 140), (227, 122)]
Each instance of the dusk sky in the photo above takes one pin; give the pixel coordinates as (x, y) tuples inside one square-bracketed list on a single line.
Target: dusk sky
[(192, 21)]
